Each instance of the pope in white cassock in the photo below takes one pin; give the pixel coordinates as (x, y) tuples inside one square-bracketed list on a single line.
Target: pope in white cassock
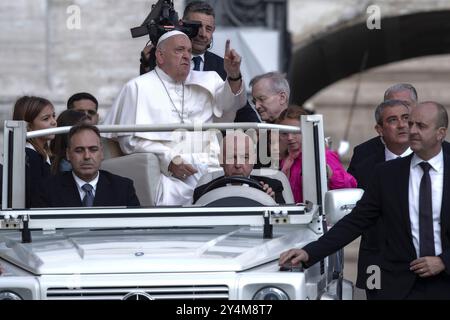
[(174, 94)]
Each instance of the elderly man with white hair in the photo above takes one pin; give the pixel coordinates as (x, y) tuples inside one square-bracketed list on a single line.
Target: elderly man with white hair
[(174, 94)]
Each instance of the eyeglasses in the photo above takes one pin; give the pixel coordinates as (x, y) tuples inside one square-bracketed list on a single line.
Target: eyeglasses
[(262, 99), (89, 112)]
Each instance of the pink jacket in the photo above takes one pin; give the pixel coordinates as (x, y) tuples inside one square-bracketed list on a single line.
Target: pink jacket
[(339, 180)]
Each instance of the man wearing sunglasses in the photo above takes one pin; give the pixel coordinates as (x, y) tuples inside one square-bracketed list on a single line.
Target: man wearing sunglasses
[(87, 103)]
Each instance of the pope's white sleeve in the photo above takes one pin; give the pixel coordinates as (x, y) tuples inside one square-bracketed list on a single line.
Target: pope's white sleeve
[(226, 100), (133, 144), (123, 110)]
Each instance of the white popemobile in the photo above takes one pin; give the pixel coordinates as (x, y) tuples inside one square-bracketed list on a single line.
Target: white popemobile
[(205, 251)]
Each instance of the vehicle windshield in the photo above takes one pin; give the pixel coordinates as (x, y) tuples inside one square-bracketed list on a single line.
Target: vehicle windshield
[(230, 199)]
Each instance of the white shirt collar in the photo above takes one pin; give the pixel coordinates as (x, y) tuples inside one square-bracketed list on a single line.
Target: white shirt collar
[(164, 76), (200, 55), (81, 182), (389, 155), (436, 163), (202, 62), (30, 146)]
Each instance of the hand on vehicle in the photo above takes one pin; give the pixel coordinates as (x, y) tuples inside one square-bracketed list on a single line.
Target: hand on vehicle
[(293, 257), (267, 189), (180, 169), (427, 266)]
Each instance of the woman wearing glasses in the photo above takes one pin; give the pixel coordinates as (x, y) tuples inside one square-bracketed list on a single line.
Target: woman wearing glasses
[(291, 157), (87, 103)]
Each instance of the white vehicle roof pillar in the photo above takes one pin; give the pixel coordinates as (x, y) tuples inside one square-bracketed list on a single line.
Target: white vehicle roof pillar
[(15, 133), (314, 176)]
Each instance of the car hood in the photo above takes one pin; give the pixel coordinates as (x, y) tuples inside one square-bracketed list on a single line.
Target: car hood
[(206, 249)]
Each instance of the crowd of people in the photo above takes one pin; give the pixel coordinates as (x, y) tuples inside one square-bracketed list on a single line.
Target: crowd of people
[(404, 170)]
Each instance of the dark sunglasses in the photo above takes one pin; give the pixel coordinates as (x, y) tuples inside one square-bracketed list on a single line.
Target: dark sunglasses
[(89, 112)]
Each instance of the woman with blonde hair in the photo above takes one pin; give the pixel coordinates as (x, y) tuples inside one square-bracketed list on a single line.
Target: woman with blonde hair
[(291, 157)]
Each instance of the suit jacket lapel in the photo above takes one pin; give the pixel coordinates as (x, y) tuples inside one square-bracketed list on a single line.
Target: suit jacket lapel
[(445, 206), (403, 189), (214, 63), (208, 63), (70, 192), (380, 156), (101, 191)]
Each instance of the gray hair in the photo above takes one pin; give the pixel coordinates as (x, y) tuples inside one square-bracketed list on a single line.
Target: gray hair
[(278, 80), (399, 87), (387, 104)]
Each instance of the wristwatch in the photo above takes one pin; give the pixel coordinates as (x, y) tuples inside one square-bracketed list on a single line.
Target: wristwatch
[(239, 77)]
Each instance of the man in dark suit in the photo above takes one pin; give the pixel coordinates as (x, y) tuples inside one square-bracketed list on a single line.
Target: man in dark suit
[(401, 91), (86, 185), (202, 59), (411, 198), (237, 160), (391, 118)]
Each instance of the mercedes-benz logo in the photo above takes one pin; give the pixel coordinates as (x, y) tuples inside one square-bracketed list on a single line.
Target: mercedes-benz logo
[(139, 295)]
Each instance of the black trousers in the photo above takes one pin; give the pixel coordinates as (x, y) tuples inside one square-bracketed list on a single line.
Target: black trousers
[(431, 288), (372, 294)]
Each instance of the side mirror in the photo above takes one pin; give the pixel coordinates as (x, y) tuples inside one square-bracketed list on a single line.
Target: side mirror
[(340, 202)]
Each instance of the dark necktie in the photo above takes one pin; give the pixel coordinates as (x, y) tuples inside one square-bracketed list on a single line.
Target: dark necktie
[(426, 232), (88, 200), (197, 60)]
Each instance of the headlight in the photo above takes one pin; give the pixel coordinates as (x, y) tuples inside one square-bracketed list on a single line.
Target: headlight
[(270, 293), (9, 295)]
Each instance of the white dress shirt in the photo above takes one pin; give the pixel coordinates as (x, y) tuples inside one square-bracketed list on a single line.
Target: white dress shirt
[(389, 155), (202, 62), (81, 183), (437, 183)]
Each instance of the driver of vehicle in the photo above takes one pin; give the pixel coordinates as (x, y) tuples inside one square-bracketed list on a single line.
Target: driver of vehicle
[(238, 156)]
